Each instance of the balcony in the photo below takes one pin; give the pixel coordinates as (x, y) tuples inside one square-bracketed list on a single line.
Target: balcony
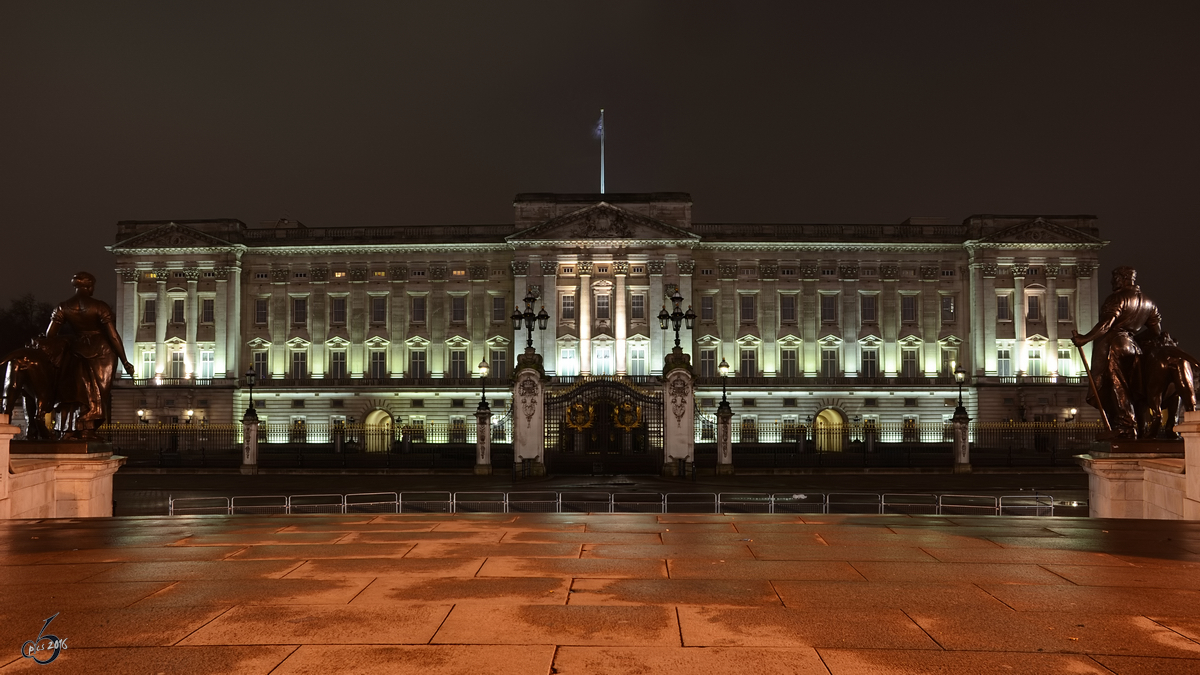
[(172, 382), (739, 381), (1034, 379), (389, 382)]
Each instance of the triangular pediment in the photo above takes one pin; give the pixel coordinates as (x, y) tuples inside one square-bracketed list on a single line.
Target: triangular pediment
[(602, 224), (172, 236), (1040, 231)]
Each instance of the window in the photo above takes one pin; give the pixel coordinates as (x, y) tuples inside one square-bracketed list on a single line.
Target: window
[(416, 273), (1034, 362), (206, 364), (870, 362), (148, 311), (260, 365), (706, 272), (337, 311), (458, 309), (299, 311), (749, 363), (458, 273), (378, 309), (947, 273), (602, 307), (261, 275), (601, 269), (908, 363), (829, 313), (1064, 308), (828, 272), (1035, 313), (829, 362), (787, 308), (177, 311), (208, 310), (416, 364), (567, 269), (947, 309), (637, 360), (260, 311), (868, 308), (458, 364), (299, 275), (299, 365), (747, 271), (1004, 362), (1066, 366), (567, 363), (177, 365), (602, 361), (499, 308), (949, 361), (638, 269), (708, 363), (499, 364), (908, 308), (747, 308), (707, 312), (637, 306), (339, 275), (787, 271), (147, 365), (568, 307), (418, 309), (337, 364), (788, 363), (377, 364), (1003, 313)]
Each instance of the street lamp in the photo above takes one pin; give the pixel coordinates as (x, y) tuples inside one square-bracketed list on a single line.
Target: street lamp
[(251, 378), (677, 317), (483, 373), (529, 317), (189, 414), (960, 376), (724, 370)]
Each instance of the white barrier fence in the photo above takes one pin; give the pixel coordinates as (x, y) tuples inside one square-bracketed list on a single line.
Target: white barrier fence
[(619, 502)]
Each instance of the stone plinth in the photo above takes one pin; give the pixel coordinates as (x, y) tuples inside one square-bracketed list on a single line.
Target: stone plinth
[(59, 447), (1145, 478), (55, 479)]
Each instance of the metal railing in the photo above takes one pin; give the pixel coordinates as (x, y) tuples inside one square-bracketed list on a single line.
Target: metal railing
[(619, 502)]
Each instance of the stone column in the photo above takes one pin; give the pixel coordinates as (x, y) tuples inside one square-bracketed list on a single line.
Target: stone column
[(889, 319), (657, 352), (1190, 430), (585, 317), (223, 363), (679, 426), (233, 324), (483, 441), (962, 445), (549, 300), (1018, 272), (686, 338), (849, 319), (520, 269), (250, 443), (192, 318), (129, 312), (1087, 303), (620, 320), (358, 320), (1051, 315), (724, 439), (160, 323), (987, 327), (810, 317), (768, 317), (529, 411)]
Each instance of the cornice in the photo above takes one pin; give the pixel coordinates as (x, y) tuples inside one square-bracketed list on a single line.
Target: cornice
[(975, 244), (601, 243), (843, 247), (378, 248)]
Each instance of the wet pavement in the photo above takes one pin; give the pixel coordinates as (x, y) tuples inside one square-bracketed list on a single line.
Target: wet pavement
[(603, 593)]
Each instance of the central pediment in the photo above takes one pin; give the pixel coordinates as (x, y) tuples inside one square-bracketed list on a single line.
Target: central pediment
[(1039, 231), (603, 225), (172, 236)]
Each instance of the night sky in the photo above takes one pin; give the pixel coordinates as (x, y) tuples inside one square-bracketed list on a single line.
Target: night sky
[(391, 113)]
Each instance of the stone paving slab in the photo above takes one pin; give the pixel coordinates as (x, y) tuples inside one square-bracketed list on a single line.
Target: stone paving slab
[(603, 593)]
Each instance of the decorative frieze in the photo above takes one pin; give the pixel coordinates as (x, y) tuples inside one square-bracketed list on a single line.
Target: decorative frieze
[(808, 272), (620, 268), (549, 268), (848, 272), (129, 274), (478, 272), (584, 267), (318, 273), (279, 275), (768, 270), (535, 291), (1052, 270), (889, 271), (1084, 270), (437, 272), (990, 270), (357, 273), (1019, 270), (398, 272), (930, 272), (686, 266), (727, 270), (655, 266), (520, 268)]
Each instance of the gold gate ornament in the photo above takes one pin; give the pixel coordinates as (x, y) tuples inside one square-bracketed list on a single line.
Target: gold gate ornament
[(575, 416), (627, 416)]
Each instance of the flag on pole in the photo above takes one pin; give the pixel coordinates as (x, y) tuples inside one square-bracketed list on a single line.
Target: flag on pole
[(598, 132)]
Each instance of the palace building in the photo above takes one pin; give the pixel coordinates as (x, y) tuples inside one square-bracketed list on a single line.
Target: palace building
[(836, 323)]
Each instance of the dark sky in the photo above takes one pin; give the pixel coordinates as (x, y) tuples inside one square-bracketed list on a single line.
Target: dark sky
[(392, 113)]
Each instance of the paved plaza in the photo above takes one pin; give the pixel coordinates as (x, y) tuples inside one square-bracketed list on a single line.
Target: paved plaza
[(577, 593)]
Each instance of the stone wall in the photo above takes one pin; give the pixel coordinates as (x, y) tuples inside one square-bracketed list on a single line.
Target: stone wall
[(54, 486)]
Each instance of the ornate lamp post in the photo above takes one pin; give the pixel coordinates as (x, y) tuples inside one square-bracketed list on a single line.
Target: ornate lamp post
[(724, 370), (529, 318), (251, 378), (677, 317), (483, 373), (960, 376)]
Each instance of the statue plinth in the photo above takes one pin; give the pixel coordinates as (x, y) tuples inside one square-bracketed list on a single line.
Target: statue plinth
[(1127, 448), (66, 447)]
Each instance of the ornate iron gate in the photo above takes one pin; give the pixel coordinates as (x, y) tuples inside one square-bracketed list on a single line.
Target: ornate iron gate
[(604, 425)]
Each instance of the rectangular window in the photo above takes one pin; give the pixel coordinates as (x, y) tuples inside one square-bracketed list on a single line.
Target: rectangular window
[(749, 363), (458, 364), (870, 362), (1004, 362), (337, 311), (908, 363), (207, 358), (637, 360), (788, 363), (177, 311), (379, 309), (1066, 366), (947, 309), (1034, 361), (337, 364), (787, 308), (148, 311), (208, 310), (458, 309), (499, 308), (177, 366), (260, 311), (708, 363), (908, 308), (747, 308), (299, 311), (567, 363), (829, 362), (602, 307), (299, 365), (949, 361), (418, 309), (1064, 308), (1003, 312), (260, 365), (1035, 313), (568, 307), (637, 306), (378, 364), (499, 364), (416, 364), (829, 313), (147, 365), (707, 312), (868, 308)]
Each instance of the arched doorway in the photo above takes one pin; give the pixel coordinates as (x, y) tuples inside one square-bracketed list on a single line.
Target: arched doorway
[(377, 431), (830, 430)]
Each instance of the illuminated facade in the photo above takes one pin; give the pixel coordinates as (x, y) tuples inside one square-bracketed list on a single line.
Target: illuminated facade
[(836, 322)]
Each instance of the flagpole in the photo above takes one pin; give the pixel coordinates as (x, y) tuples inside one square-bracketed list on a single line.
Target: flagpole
[(602, 151)]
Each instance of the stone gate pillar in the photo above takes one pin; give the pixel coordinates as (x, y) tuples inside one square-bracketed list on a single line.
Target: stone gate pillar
[(724, 439), (483, 441), (679, 422), (962, 445), (529, 411), (250, 443)]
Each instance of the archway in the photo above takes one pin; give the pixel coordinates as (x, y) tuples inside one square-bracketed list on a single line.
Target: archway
[(830, 430), (377, 431)]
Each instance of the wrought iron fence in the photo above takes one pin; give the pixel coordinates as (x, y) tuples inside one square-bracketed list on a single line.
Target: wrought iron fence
[(183, 445)]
